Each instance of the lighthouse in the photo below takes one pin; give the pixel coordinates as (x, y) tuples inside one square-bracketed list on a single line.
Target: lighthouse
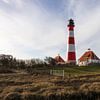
[(71, 54)]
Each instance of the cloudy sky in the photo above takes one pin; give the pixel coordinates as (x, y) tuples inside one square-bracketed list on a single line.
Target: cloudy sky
[(38, 28)]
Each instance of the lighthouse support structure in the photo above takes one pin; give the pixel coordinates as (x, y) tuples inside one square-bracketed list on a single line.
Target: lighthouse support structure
[(71, 55)]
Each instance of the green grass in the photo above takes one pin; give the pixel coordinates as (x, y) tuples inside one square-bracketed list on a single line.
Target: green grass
[(69, 70), (82, 70)]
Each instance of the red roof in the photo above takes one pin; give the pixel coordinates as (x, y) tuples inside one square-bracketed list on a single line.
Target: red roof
[(59, 59), (88, 55)]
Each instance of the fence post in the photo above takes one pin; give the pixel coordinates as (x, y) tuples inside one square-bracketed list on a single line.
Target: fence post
[(63, 74), (57, 72), (50, 72)]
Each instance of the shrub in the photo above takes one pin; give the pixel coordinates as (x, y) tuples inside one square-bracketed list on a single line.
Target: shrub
[(33, 97), (13, 96), (18, 90)]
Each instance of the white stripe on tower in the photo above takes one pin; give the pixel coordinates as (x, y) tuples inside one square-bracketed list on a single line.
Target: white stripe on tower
[(71, 33), (71, 48), (71, 43)]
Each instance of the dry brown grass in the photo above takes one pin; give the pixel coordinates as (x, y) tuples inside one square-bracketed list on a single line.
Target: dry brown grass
[(23, 86), (13, 96)]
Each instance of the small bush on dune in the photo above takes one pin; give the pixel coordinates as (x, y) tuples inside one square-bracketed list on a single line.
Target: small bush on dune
[(12, 89), (18, 90), (35, 88), (84, 87), (32, 97), (95, 86), (13, 96), (5, 70), (28, 97)]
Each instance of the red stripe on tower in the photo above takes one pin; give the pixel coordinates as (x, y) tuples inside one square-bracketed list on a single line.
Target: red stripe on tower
[(71, 56), (71, 40)]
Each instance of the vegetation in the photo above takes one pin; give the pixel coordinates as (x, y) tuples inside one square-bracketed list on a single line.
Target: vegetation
[(23, 86), (32, 81), (50, 61)]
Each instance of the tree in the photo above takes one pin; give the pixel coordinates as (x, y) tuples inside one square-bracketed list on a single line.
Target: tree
[(6, 60), (50, 60)]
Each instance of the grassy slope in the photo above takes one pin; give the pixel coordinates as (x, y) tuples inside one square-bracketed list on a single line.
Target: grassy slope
[(28, 85), (69, 70), (83, 70)]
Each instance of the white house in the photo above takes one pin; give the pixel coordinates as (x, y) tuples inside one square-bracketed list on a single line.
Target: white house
[(87, 58)]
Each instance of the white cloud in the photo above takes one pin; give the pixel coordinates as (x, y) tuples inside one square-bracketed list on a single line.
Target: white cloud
[(30, 27), (87, 25), (6, 1), (33, 29)]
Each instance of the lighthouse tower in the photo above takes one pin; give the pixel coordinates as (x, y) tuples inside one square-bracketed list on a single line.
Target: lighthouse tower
[(71, 56)]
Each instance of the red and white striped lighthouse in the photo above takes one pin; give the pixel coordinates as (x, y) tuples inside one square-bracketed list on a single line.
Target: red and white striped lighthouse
[(71, 56)]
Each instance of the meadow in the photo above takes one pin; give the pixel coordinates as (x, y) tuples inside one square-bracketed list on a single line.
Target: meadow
[(36, 83)]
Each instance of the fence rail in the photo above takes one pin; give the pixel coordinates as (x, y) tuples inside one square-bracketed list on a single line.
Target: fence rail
[(57, 73)]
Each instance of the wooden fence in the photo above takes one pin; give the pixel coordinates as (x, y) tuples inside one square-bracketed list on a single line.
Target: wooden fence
[(57, 73)]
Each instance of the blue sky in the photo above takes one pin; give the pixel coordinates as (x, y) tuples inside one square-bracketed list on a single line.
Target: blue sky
[(38, 28)]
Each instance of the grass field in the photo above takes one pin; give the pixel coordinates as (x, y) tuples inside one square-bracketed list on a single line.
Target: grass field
[(83, 70), (71, 70), (83, 83)]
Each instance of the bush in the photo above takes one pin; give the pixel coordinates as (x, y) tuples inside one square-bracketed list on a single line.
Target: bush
[(33, 97), (5, 70), (13, 96)]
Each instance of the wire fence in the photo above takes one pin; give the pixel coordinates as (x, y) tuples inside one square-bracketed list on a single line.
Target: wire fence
[(57, 73)]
